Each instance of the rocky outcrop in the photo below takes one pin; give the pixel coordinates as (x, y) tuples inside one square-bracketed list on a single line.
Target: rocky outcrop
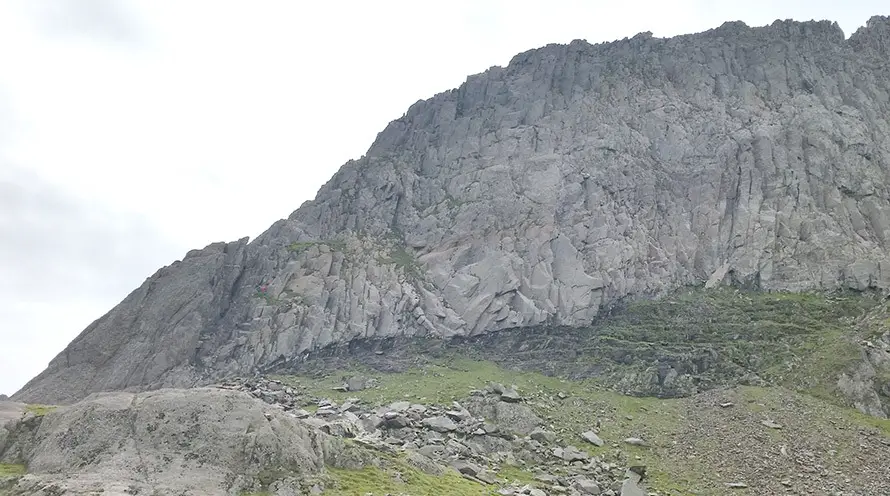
[(540, 193), (9, 412), (171, 441), (867, 386), (482, 437)]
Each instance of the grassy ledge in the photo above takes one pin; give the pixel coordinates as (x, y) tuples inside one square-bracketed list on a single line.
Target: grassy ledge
[(40, 410), (395, 476), (12, 470)]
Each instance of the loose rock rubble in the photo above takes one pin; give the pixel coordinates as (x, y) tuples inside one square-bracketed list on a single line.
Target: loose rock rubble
[(492, 431)]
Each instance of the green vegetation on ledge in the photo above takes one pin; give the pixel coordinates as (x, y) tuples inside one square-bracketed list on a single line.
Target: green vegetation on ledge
[(802, 341), (697, 339), (40, 410), (395, 476), (12, 469), (400, 257), (301, 246)]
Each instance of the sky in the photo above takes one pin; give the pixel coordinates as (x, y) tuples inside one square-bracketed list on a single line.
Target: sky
[(134, 131)]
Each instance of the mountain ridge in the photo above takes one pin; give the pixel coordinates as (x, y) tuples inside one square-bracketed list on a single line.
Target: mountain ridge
[(525, 197)]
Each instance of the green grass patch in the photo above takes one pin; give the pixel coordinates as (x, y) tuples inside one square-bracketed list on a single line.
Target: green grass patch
[(40, 410), (437, 383), (301, 246), (394, 476), (867, 420), (12, 469), (516, 475), (401, 258)]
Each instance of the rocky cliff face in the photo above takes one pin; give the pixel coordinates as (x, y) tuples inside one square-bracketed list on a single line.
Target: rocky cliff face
[(540, 193)]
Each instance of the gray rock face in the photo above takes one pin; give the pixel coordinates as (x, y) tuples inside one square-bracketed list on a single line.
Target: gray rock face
[(592, 438), (510, 417), (10, 411), (538, 193), (150, 339), (440, 424), (543, 436), (870, 380), (200, 441), (631, 485)]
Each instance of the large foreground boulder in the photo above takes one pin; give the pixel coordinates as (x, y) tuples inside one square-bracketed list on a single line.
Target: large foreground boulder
[(170, 441)]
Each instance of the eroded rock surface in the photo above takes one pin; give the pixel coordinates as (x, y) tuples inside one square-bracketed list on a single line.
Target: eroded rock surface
[(200, 441), (539, 193)]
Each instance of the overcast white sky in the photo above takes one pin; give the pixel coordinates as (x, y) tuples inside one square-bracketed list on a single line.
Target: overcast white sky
[(133, 131)]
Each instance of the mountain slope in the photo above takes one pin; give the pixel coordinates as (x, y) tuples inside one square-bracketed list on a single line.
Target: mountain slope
[(410, 432), (540, 194)]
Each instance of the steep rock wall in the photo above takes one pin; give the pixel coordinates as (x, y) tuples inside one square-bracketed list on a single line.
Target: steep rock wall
[(539, 193)]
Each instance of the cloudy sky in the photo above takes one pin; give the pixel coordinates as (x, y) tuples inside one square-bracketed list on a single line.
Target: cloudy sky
[(133, 131)]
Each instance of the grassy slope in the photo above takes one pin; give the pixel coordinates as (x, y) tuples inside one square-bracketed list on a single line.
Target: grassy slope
[(801, 341), (798, 343), (9, 474), (397, 477), (11, 469), (689, 436)]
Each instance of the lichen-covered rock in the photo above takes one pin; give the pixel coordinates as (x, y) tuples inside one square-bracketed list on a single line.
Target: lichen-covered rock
[(538, 193)]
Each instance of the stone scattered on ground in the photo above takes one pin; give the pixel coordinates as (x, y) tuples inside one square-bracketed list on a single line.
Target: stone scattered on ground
[(635, 441), (631, 485), (771, 424), (543, 436), (477, 437), (494, 434), (818, 450), (592, 438)]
